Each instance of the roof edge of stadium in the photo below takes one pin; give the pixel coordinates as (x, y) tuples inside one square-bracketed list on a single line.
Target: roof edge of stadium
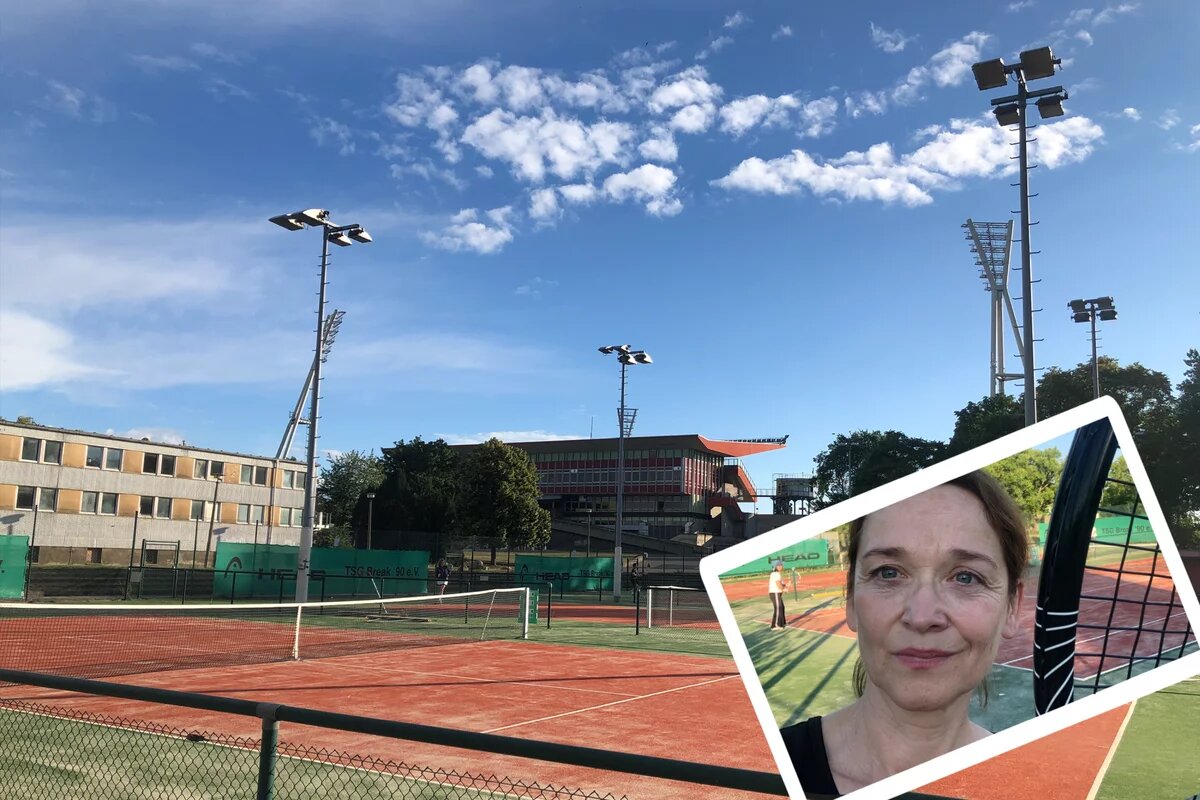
[(732, 448)]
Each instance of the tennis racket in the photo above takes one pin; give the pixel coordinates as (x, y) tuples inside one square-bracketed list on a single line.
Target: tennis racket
[(1107, 607)]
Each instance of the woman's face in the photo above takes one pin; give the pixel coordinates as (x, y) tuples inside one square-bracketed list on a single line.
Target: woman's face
[(930, 600)]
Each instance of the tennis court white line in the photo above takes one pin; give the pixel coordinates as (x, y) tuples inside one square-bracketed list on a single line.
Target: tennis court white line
[(1102, 635), (810, 630), (1112, 751), (540, 684), (607, 705)]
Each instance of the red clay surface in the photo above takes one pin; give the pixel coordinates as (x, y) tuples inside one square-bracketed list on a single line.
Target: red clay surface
[(652, 704), (1062, 766)]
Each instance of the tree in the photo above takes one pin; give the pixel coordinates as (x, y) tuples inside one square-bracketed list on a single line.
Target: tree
[(1031, 478), (985, 421), (853, 464), (497, 498), (25, 420), (345, 478), (1176, 472), (419, 486), (1143, 394), (1120, 496)]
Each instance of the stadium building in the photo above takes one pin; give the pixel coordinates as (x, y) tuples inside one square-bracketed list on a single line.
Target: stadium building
[(84, 497), (685, 486)]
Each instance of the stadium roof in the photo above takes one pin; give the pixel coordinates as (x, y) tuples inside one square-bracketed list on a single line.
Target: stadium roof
[(731, 448)]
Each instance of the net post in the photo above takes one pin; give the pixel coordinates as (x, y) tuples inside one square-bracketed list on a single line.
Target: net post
[(266, 751), (233, 589), (637, 611), (650, 607), (526, 599), (296, 637)]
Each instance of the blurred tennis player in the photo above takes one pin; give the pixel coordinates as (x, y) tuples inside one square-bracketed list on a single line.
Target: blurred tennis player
[(934, 586), (441, 574), (775, 591)]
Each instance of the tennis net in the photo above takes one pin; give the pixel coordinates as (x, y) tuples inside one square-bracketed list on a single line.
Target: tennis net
[(94, 641), (681, 614)]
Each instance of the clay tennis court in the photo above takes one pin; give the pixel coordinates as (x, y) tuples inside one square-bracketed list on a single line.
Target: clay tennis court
[(608, 699)]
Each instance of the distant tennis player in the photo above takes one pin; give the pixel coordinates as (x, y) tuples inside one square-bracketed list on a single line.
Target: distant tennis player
[(441, 573), (934, 586), (775, 591)]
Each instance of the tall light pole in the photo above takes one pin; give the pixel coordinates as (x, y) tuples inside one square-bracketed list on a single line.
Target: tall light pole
[(1101, 308), (625, 418), (1014, 110), (343, 236), (370, 516)]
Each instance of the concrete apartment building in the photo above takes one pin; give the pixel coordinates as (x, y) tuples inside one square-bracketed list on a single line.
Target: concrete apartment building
[(78, 495)]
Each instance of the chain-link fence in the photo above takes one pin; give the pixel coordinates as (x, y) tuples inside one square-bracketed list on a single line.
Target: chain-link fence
[(74, 755)]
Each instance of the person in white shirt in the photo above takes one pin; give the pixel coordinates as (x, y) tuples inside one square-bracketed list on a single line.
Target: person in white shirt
[(775, 590)]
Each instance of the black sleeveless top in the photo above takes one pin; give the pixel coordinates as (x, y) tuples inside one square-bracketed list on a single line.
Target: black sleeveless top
[(806, 748)]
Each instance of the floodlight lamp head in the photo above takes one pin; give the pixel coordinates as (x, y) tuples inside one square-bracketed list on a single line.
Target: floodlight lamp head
[(1077, 305), (990, 74), (340, 239), (316, 217), (1103, 303), (359, 235), (1050, 107), (1008, 114), (287, 221), (1082, 316), (1108, 315), (1038, 63)]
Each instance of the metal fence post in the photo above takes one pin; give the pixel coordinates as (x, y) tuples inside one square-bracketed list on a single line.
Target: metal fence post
[(266, 752)]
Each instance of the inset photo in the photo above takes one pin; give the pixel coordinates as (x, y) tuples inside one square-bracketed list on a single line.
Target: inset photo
[(901, 635)]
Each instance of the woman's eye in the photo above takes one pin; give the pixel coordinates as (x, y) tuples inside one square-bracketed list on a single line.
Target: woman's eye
[(888, 573), (966, 578)]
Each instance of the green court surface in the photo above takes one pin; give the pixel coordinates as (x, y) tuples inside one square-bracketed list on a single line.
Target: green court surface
[(808, 673), (1157, 754), (46, 756)]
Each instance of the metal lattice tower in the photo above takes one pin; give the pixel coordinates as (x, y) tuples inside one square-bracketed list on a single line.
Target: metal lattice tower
[(332, 323), (991, 242)]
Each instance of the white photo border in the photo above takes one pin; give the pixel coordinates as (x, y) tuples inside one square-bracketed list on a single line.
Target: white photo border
[(713, 566)]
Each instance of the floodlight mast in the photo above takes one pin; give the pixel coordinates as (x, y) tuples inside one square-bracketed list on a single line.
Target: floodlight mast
[(316, 218), (1088, 311), (626, 356), (1014, 110)]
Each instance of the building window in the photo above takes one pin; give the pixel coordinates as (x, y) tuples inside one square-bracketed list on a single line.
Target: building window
[(149, 556), (150, 463), (197, 510), (243, 513), (48, 499), (201, 468), (52, 453), (31, 449), (146, 507), (216, 469), (108, 503), (260, 476), (26, 496), (158, 464), (163, 511), (167, 466), (297, 517), (112, 459), (35, 554), (289, 479), (247, 473), (285, 517), (91, 502), (94, 555), (95, 456), (257, 513)]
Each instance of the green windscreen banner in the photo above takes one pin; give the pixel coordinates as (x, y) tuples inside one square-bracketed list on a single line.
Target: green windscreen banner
[(249, 570), (14, 555), (572, 573), (801, 555), (1114, 530)]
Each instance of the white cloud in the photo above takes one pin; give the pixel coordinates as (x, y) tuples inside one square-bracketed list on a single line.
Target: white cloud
[(325, 130), (695, 118), (947, 67), (214, 53), (744, 113), (467, 232), (889, 41), (35, 352), (76, 103), (543, 206), (737, 20), (163, 63), (818, 117), (506, 436), (690, 87), (425, 168), (1132, 113), (1194, 145), (784, 32), (533, 146), (715, 46), (1019, 5), (221, 88), (660, 146), (534, 287), (964, 149), (579, 194), (649, 184), (1085, 37), (161, 435), (484, 171), (1168, 120), (1110, 13)]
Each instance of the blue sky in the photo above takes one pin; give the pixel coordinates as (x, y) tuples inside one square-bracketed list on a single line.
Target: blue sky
[(766, 197)]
